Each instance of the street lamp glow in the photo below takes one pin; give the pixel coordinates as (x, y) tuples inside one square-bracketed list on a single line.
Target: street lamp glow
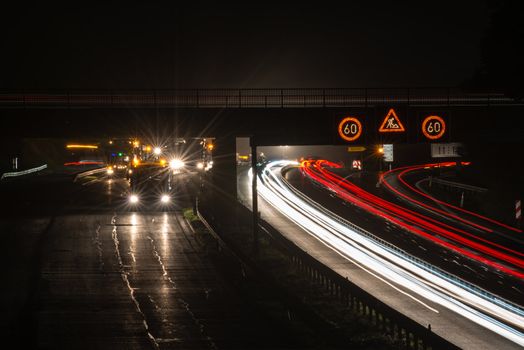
[(165, 198), (133, 199)]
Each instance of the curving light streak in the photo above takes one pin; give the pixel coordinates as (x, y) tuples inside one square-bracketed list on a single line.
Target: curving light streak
[(481, 308), (416, 222), (400, 172)]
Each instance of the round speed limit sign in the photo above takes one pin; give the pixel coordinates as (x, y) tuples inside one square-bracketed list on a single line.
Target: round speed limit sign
[(350, 129), (433, 127)]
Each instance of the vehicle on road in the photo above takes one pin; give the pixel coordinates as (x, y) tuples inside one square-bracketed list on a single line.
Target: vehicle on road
[(151, 185)]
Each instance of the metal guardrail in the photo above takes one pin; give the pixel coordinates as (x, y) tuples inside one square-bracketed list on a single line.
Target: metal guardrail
[(88, 172), (458, 185), (380, 315), (251, 98), (23, 172), (419, 262)]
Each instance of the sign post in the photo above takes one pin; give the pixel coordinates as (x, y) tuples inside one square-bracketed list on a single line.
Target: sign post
[(518, 212), (254, 194)]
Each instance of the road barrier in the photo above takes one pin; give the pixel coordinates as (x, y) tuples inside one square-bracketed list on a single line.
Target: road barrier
[(381, 316), (456, 185), (23, 172), (88, 172)]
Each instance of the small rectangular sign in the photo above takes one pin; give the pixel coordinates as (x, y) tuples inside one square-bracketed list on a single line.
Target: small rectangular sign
[(445, 150), (388, 152), (356, 149)]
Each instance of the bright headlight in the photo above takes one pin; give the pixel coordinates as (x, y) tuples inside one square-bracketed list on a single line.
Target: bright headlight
[(200, 165), (133, 198), (110, 171), (176, 164), (165, 198)]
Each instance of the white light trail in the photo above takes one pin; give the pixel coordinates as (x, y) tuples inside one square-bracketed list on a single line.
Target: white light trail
[(386, 263)]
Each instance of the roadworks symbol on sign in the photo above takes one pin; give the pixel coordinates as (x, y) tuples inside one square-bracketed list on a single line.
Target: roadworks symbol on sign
[(391, 123)]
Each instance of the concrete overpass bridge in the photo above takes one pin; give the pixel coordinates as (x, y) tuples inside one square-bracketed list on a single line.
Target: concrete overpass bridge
[(302, 115), (269, 116)]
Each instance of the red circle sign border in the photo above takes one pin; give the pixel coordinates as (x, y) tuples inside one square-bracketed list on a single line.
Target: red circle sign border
[(441, 132), (350, 119)]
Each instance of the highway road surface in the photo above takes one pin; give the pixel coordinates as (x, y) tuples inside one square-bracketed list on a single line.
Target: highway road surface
[(82, 271), (451, 316)]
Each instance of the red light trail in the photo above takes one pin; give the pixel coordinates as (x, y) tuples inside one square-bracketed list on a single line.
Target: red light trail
[(415, 222), (406, 170)]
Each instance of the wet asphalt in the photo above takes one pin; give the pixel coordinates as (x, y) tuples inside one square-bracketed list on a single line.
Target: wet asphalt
[(82, 270)]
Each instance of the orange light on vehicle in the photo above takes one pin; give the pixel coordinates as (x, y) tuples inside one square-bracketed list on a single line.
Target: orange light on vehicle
[(162, 162), (82, 146), (210, 147)]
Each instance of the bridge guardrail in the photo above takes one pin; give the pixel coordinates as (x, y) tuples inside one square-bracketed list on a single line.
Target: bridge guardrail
[(251, 98)]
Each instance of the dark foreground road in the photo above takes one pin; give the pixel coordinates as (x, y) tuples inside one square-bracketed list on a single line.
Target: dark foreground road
[(80, 273)]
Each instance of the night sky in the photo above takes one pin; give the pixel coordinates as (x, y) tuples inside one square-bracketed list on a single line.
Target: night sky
[(165, 45)]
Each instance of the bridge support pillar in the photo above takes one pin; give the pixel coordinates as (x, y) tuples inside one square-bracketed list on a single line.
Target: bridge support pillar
[(254, 192)]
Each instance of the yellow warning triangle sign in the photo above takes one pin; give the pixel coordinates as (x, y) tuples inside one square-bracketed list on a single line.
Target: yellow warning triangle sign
[(391, 123)]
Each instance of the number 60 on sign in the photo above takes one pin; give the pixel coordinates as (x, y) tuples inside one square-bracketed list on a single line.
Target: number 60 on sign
[(433, 127), (350, 129)]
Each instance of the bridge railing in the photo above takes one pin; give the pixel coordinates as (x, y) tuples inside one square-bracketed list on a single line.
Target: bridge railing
[(250, 98)]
